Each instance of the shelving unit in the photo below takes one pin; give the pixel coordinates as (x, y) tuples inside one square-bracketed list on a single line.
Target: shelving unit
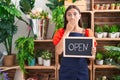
[(102, 17)]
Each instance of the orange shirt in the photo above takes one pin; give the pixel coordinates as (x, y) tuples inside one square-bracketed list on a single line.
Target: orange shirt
[(59, 34)]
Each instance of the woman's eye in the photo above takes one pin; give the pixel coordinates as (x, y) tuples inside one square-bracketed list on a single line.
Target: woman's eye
[(69, 14), (75, 13)]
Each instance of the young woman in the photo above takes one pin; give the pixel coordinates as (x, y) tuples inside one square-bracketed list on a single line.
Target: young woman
[(72, 68)]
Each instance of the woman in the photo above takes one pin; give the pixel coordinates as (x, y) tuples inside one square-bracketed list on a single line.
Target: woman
[(72, 68)]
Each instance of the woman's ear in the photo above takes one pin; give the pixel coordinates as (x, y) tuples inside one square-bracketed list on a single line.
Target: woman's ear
[(80, 16)]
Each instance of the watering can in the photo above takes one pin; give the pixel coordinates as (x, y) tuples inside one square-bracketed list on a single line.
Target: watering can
[(2, 57)]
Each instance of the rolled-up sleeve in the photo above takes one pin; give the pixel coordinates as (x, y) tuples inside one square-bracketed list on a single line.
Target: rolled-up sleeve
[(57, 36)]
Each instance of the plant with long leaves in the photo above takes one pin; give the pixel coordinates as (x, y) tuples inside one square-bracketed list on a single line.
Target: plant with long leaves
[(25, 47), (8, 28)]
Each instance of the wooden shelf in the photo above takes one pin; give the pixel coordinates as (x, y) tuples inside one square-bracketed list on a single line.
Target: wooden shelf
[(40, 67), (108, 39), (106, 11), (47, 40), (4, 68), (104, 66)]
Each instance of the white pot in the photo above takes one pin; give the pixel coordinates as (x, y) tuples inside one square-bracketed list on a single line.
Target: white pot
[(99, 35), (99, 62), (104, 34), (46, 62), (40, 60), (117, 34), (112, 35)]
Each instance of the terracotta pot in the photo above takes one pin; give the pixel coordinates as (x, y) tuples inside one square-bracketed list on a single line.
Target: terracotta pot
[(112, 7), (97, 6), (117, 7), (9, 60)]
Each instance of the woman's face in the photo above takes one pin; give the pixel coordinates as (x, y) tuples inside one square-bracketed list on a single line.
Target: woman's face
[(72, 14)]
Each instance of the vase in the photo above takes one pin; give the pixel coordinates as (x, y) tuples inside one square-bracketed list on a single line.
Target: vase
[(31, 62), (9, 60), (40, 27), (40, 60), (44, 26), (46, 62)]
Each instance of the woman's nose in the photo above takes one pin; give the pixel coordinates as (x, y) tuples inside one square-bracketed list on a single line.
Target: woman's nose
[(72, 16)]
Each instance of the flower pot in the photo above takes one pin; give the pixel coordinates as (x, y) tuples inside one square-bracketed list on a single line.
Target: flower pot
[(97, 6), (112, 35), (46, 62), (99, 62), (40, 60), (99, 35), (9, 60), (32, 62), (107, 6), (104, 34), (108, 61)]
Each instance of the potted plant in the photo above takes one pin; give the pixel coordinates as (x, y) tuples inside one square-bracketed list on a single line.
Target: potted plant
[(25, 47), (115, 52), (107, 6), (105, 30), (112, 6), (38, 54), (118, 6), (97, 6), (98, 31), (99, 58), (8, 28), (113, 31), (46, 55)]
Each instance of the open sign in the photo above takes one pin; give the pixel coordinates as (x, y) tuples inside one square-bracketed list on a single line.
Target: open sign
[(78, 46)]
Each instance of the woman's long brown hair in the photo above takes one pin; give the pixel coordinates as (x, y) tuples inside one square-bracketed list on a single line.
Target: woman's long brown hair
[(65, 20)]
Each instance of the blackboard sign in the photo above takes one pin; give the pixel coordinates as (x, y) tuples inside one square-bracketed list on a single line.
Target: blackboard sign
[(78, 46)]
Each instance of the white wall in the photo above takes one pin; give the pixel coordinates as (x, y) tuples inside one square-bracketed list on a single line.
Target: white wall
[(22, 27)]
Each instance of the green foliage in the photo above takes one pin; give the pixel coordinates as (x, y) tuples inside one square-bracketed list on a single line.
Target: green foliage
[(25, 47), (113, 28), (116, 77), (26, 5), (8, 12), (98, 29), (99, 56), (58, 17), (106, 28), (54, 3), (46, 55), (38, 53), (113, 51)]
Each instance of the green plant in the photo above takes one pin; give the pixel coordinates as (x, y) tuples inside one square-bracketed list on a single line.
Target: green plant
[(39, 53), (117, 77), (8, 28), (26, 5), (113, 28), (99, 56), (114, 51), (25, 47), (113, 4), (55, 3), (105, 28), (58, 17), (98, 29), (46, 55)]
